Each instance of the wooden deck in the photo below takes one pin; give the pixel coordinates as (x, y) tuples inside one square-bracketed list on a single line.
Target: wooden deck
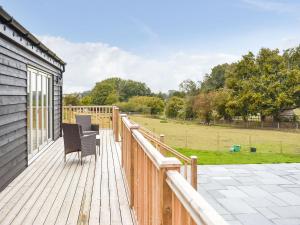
[(50, 191)]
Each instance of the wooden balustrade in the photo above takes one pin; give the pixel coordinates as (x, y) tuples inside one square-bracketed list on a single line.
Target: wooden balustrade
[(158, 193), (101, 115), (158, 142), (189, 207)]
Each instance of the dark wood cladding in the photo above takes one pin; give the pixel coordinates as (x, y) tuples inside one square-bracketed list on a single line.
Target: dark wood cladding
[(14, 61)]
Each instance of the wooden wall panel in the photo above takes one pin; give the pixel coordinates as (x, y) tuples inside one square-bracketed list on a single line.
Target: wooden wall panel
[(13, 131), (14, 62)]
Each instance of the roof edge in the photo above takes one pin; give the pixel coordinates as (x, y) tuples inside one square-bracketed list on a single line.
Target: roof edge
[(9, 20)]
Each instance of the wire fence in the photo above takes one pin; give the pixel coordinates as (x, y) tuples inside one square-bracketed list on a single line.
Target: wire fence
[(263, 141), (290, 125)]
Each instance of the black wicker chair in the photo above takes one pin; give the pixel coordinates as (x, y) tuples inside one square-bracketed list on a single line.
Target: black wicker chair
[(86, 123), (76, 141)]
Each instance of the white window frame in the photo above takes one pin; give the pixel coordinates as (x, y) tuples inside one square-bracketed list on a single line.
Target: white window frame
[(33, 153)]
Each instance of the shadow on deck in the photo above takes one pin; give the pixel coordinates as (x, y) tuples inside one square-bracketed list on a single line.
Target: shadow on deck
[(50, 191)]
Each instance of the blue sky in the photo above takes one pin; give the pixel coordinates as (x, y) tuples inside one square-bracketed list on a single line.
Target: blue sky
[(190, 35)]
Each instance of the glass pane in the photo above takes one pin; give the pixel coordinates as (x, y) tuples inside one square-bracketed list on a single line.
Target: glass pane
[(50, 109), (39, 109), (45, 108), (28, 113), (34, 110)]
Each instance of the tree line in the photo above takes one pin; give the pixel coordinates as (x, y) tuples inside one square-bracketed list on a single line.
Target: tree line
[(265, 84)]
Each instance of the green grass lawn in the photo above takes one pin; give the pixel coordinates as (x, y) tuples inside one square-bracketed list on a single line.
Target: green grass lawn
[(212, 143), (217, 157)]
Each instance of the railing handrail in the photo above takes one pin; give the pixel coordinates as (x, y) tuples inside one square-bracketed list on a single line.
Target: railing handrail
[(149, 132), (167, 148), (156, 157), (193, 202), (87, 106), (128, 123)]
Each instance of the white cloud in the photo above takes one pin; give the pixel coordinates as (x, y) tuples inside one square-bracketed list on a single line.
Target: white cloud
[(88, 63)]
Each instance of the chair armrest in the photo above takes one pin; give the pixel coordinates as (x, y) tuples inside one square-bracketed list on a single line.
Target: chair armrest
[(88, 144), (89, 132), (95, 127)]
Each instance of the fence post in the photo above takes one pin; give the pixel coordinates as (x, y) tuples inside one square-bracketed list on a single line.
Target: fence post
[(194, 171), (166, 192), (162, 138)]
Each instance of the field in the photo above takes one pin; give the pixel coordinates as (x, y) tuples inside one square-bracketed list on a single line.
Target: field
[(212, 143)]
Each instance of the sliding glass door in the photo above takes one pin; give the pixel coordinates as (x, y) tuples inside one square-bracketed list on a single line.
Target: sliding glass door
[(39, 110)]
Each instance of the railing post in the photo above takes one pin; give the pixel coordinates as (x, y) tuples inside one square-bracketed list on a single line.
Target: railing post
[(113, 120), (117, 124), (123, 133), (166, 192), (132, 160), (194, 171), (128, 157), (162, 138)]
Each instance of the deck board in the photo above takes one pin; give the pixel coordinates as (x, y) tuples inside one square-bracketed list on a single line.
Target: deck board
[(51, 191)]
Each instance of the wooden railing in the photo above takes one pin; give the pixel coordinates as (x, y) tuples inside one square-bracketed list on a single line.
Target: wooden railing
[(116, 123), (158, 142), (158, 193), (101, 115), (188, 206)]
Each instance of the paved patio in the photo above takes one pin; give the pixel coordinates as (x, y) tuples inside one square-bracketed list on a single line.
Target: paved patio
[(262, 194)]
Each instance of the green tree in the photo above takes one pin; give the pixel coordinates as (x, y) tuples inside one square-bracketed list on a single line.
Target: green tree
[(216, 79), (174, 107), (161, 95), (203, 106), (112, 98), (143, 104), (86, 100), (175, 93), (220, 99), (115, 89), (189, 112), (292, 58), (71, 99), (238, 79), (100, 93), (189, 87), (130, 88), (262, 85)]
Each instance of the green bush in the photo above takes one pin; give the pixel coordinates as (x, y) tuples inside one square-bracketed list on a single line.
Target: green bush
[(175, 107), (143, 104)]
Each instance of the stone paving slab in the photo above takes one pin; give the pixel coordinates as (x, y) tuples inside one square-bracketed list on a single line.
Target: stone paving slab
[(262, 194)]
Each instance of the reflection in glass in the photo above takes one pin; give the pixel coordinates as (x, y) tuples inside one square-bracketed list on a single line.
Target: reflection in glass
[(49, 108), (45, 107), (29, 102), (33, 116), (39, 108)]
